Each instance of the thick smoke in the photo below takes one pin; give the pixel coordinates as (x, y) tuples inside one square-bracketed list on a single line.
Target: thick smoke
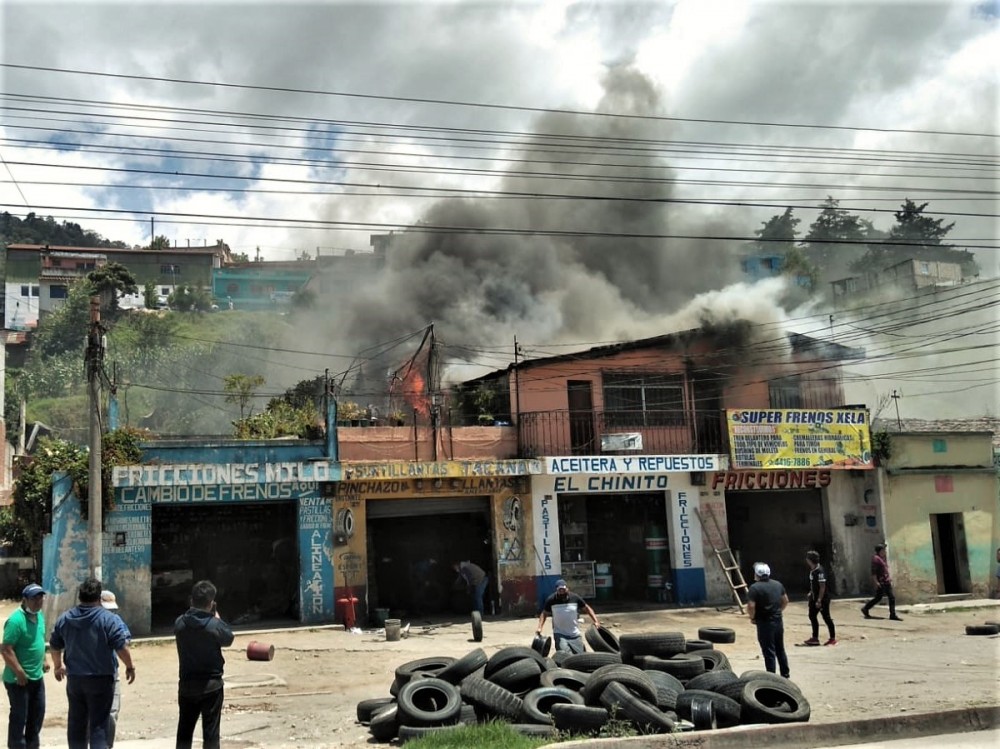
[(482, 289)]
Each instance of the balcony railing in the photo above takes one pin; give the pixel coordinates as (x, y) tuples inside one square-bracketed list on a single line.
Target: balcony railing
[(615, 432)]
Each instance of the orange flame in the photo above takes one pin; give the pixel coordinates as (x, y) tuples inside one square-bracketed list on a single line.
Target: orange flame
[(414, 385)]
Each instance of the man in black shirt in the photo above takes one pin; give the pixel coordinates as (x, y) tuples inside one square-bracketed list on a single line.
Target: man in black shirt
[(766, 600), (201, 634), (819, 600)]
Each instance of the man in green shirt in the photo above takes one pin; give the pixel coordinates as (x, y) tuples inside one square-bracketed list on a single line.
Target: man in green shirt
[(25, 664)]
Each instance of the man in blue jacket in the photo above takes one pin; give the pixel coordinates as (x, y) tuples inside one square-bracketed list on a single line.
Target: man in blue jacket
[(200, 634), (84, 643)]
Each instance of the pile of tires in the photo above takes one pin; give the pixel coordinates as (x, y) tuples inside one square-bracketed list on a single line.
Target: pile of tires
[(657, 682)]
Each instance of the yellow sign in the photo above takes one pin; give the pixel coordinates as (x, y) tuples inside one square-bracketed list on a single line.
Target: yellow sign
[(799, 438), (441, 469)]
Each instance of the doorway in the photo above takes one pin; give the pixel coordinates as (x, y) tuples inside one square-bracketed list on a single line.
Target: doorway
[(581, 417), (951, 556)]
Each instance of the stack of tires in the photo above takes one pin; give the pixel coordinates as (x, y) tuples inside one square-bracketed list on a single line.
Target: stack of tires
[(656, 682)]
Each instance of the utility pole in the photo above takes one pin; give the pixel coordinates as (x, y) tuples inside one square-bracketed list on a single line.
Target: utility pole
[(517, 397), (152, 231), (95, 363), (899, 422)]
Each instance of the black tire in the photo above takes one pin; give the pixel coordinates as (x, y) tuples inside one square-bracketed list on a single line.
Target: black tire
[(467, 664), (467, 715), (727, 711), (663, 680), (385, 724), (666, 698), (538, 703), (691, 645), (982, 629), (397, 682), (644, 716), (766, 702), (684, 666), (477, 626), (711, 679), (733, 689), (559, 657), (564, 677), (424, 666), (590, 662), (717, 634), (407, 733), (535, 729), (660, 644), (518, 677), (577, 719), (715, 660), (429, 702), (781, 681), (602, 640), (703, 714), (367, 708), (492, 698), (542, 645), (505, 656), (636, 681)]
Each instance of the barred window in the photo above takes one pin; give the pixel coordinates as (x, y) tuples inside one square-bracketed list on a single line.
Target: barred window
[(643, 400), (785, 392)]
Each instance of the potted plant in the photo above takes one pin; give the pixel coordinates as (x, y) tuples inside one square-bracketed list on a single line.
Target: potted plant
[(397, 418), (349, 413)]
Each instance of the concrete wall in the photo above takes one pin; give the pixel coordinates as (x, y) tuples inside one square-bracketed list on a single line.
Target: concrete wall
[(417, 443), (941, 449), (854, 520)]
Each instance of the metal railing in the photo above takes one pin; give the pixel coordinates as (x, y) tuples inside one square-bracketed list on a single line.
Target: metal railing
[(610, 432)]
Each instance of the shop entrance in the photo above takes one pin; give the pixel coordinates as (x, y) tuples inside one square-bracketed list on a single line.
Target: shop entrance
[(249, 551), (778, 528), (611, 529), (951, 556), (411, 545)]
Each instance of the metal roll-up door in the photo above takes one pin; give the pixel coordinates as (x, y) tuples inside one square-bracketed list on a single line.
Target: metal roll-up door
[(402, 508)]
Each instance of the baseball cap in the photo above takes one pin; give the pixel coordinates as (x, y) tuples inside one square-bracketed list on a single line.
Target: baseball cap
[(32, 590), (561, 584), (761, 570), (108, 600)]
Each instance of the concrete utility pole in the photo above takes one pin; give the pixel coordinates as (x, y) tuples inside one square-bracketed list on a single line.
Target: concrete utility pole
[(95, 364)]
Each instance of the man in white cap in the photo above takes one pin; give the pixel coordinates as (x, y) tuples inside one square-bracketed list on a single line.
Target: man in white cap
[(766, 599), (25, 665), (110, 602)]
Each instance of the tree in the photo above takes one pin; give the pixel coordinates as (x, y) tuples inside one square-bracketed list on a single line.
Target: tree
[(240, 389), (65, 328), (777, 234), (160, 242), (187, 298), (149, 295), (833, 225), (239, 257), (109, 281)]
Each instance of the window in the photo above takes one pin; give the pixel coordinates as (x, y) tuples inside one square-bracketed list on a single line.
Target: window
[(170, 269), (785, 392), (34, 291), (636, 400), (58, 292), (25, 290), (925, 269), (164, 291)]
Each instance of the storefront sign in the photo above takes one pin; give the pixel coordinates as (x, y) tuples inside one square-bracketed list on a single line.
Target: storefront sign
[(742, 480), (220, 493), (195, 474), (418, 487), (316, 585), (548, 534), (799, 438), (597, 484), (631, 464), (442, 469)]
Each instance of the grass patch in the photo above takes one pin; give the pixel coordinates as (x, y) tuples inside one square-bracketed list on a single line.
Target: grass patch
[(495, 735)]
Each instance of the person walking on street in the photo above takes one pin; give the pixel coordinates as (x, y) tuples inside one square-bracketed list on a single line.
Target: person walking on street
[(25, 665), (475, 579), (564, 608), (200, 634), (766, 599), (110, 603), (84, 643), (996, 591), (819, 600), (883, 585)]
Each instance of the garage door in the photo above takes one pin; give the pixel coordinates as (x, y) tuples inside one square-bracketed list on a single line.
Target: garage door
[(402, 508)]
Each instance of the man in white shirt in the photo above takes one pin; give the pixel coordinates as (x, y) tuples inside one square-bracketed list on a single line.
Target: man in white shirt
[(564, 608)]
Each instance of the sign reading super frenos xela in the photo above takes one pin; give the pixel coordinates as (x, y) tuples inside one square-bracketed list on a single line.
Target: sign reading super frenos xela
[(799, 438)]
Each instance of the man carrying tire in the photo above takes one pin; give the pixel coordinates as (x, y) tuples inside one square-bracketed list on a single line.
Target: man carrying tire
[(475, 579), (564, 608), (766, 599)]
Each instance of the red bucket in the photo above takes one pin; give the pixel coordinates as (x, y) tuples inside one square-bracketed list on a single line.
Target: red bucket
[(260, 651)]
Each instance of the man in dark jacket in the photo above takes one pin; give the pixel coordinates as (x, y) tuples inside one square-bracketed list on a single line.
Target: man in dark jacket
[(766, 599), (883, 585), (91, 636), (200, 634)]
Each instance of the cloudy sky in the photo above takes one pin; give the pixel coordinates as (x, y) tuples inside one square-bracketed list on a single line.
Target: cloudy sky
[(573, 126)]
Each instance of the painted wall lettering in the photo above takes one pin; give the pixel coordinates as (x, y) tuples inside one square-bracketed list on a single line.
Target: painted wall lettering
[(743, 480), (595, 484)]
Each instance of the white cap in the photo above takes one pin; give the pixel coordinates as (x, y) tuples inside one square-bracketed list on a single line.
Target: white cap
[(108, 600), (761, 570)]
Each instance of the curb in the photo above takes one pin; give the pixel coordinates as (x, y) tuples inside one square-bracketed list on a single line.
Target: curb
[(808, 735)]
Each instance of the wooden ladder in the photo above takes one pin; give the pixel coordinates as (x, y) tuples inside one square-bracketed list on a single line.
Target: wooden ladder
[(725, 556)]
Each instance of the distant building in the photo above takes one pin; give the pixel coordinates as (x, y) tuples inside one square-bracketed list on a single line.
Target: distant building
[(759, 267), (912, 274)]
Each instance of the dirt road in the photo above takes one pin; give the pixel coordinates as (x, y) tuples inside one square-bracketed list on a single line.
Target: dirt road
[(306, 696)]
